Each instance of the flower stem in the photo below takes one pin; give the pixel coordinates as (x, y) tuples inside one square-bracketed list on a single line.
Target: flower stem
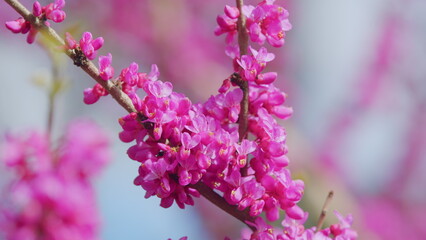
[(243, 44), (242, 32)]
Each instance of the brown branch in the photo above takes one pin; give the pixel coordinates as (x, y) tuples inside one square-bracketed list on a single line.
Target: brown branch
[(127, 104), (219, 201), (324, 210), (243, 45), (242, 32)]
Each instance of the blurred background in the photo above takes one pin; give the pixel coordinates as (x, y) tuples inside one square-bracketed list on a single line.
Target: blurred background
[(354, 72)]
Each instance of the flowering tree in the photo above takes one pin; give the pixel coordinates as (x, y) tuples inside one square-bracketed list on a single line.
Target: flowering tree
[(229, 149)]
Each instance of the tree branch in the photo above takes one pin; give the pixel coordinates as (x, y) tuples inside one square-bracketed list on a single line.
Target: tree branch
[(324, 210), (219, 201), (243, 45)]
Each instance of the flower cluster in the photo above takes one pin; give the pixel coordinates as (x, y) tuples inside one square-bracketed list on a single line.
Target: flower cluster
[(52, 11), (52, 197), (294, 229), (265, 22), (87, 45)]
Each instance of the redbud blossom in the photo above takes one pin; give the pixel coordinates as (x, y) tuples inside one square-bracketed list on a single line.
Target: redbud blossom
[(106, 71), (89, 46)]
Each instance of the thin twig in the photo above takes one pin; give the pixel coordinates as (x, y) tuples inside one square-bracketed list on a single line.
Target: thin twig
[(126, 103), (324, 210), (242, 32), (219, 201), (243, 45)]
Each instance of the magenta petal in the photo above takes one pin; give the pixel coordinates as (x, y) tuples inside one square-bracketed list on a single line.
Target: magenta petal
[(223, 23), (231, 12), (275, 42), (15, 26), (57, 16), (286, 25), (264, 56), (158, 130), (185, 139), (184, 177), (126, 136), (165, 185), (276, 149), (59, 4), (234, 97), (276, 98), (154, 74), (160, 89), (71, 43), (105, 61), (281, 161), (203, 161), (31, 35), (255, 33), (37, 9), (257, 207), (89, 96), (236, 195), (97, 43), (88, 51), (166, 202), (273, 213), (86, 38), (266, 78), (295, 212), (282, 111)]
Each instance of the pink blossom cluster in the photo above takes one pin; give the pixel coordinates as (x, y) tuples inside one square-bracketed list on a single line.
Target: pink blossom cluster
[(52, 11), (51, 196), (87, 44), (180, 144), (265, 22), (295, 230)]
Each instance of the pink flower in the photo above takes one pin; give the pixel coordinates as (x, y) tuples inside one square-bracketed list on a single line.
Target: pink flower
[(130, 75), (249, 66), (266, 78), (54, 11), (89, 46), (92, 95), (267, 22), (18, 26), (263, 230), (343, 230), (70, 42), (106, 71), (227, 23), (246, 147)]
